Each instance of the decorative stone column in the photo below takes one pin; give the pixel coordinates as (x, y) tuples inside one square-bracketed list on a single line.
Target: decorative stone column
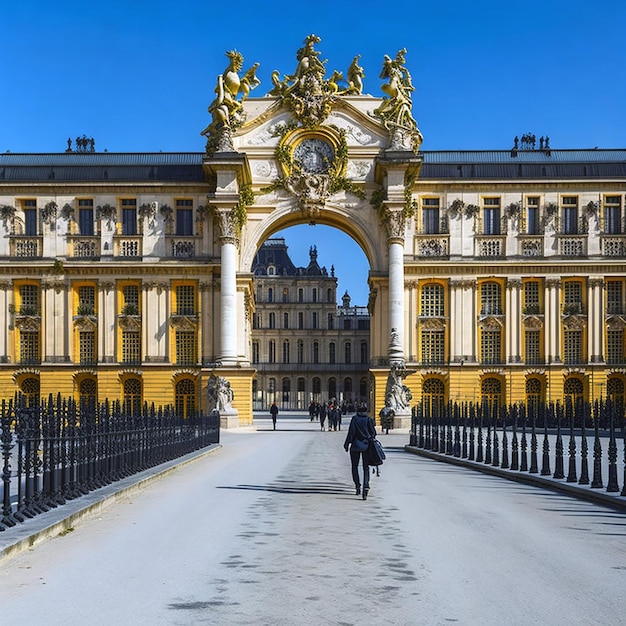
[(595, 286), (513, 330), (553, 320)]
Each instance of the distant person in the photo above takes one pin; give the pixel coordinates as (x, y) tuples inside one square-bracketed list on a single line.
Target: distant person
[(362, 429), (312, 410), (274, 412), (322, 415)]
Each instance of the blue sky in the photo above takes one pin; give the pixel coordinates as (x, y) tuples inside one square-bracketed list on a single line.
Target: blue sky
[(139, 75)]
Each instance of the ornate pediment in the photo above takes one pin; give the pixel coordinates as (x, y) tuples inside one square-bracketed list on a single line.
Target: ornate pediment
[(490, 322), (184, 322), (432, 323), (85, 323), (615, 322), (130, 322), (532, 322), (28, 323), (574, 322)]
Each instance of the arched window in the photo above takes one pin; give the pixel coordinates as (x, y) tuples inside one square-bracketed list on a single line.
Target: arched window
[(30, 388), (285, 320), (573, 390), (329, 295), (272, 320), (185, 397), (347, 387), (331, 352), (316, 385), (87, 392), (132, 396), (432, 301), (286, 390), (286, 351), (272, 351), (615, 390), (364, 353), (300, 351), (433, 395), (490, 298), (316, 352), (363, 388), (332, 387), (534, 393), (270, 295), (300, 295), (491, 392)]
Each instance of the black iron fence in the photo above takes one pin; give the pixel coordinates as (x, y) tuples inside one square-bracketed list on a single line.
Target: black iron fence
[(529, 438), (56, 451)]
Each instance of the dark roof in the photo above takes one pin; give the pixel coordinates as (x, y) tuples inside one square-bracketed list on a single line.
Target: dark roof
[(437, 164), (274, 252)]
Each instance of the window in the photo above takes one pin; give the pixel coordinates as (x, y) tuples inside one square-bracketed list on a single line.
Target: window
[(314, 294), (615, 347), (255, 351), (573, 390), (614, 297), (184, 218), (300, 295), (347, 323), (432, 301), (286, 389), (29, 300), (285, 351), (332, 387), (30, 217), (569, 215), (430, 216), (29, 347), (491, 394), (300, 320), (533, 218), (185, 397), (572, 297), (272, 320), (285, 320), (285, 295), (347, 352), (613, 215), (132, 395), (433, 397), (87, 347), (86, 300), (129, 216), (186, 347), (332, 356), (331, 321), (316, 352), (491, 216), (85, 217), (329, 295), (131, 346), (490, 347), (271, 351), (433, 346), (315, 320), (531, 298), (572, 347), (364, 353), (534, 392), (300, 351), (88, 391), (532, 341), (490, 299), (130, 297), (185, 300), (270, 295)]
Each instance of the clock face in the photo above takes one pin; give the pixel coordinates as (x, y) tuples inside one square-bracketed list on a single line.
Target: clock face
[(315, 156)]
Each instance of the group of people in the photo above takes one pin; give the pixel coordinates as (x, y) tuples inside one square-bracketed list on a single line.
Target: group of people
[(334, 411)]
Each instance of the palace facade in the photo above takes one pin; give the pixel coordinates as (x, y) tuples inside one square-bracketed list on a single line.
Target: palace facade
[(495, 275), (305, 348)]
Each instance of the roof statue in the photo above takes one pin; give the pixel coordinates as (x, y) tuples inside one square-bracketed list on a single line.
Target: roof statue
[(227, 111), (306, 92), (395, 112)]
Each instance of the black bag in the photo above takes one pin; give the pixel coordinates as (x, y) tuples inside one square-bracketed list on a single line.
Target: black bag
[(374, 455)]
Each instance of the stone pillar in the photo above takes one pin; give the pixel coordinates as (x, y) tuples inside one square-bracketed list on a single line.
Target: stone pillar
[(396, 299), (513, 328), (6, 299), (595, 286), (56, 324), (553, 321), (228, 288), (107, 323)]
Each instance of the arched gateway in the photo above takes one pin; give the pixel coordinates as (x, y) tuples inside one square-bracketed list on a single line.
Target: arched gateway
[(314, 150)]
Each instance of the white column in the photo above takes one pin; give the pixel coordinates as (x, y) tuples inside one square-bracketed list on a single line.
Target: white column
[(228, 302), (553, 321), (595, 319), (396, 299), (513, 320)]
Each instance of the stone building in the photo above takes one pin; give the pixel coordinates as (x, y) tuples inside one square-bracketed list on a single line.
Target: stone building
[(495, 275), (304, 347)]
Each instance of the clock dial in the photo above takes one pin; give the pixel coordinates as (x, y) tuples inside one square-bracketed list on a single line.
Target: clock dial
[(315, 156)]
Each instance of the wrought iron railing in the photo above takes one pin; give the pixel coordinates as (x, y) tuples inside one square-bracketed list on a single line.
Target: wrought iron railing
[(56, 451)]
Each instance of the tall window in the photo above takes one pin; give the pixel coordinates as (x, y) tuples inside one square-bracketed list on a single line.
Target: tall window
[(364, 353), (531, 298), (316, 352), (186, 347), (315, 320), (300, 349), (613, 215), (88, 391), (491, 394), (432, 301), (29, 300), (491, 216), (331, 321), (285, 320), (314, 294), (271, 351), (490, 299), (255, 351), (300, 295), (572, 297), (185, 299), (184, 217), (185, 397), (491, 346), (300, 320), (434, 397), (532, 215), (430, 216), (569, 215), (85, 217), (29, 347), (87, 347), (285, 351), (272, 320), (285, 295), (572, 347), (615, 346), (533, 392), (331, 352), (86, 300), (129, 216), (329, 295), (573, 390), (30, 217), (347, 352), (532, 346), (132, 395), (614, 297), (130, 296), (433, 346), (131, 346)]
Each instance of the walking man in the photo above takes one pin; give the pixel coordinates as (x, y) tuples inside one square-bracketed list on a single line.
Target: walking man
[(362, 429), (274, 412)]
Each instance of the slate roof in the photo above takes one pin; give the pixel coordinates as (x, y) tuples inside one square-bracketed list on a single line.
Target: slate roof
[(437, 164)]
